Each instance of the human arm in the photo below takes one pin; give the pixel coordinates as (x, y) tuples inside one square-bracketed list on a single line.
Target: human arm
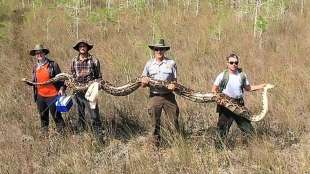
[(72, 68), (145, 79), (249, 87), (216, 84), (172, 86), (215, 89), (60, 85), (27, 82), (254, 87), (97, 70), (30, 83)]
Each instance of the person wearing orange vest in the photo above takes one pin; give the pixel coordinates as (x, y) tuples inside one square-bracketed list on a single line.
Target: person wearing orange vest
[(45, 95)]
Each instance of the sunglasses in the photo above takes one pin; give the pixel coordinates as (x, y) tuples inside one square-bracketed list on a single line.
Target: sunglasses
[(236, 63)]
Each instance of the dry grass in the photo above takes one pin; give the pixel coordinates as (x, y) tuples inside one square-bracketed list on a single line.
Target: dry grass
[(282, 143)]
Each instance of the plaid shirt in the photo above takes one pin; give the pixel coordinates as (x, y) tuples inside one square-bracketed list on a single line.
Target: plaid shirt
[(86, 70)]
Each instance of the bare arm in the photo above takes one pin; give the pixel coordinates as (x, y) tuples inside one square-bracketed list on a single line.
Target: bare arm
[(145, 79), (215, 89), (254, 87), (172, 86)]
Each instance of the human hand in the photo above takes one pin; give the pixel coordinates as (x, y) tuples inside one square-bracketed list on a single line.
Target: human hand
[(171, 86), (61, 92), (263, 85), (145, 81), (221, 103)]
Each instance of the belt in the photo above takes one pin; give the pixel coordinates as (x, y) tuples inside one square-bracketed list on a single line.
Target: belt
[(239, 101)]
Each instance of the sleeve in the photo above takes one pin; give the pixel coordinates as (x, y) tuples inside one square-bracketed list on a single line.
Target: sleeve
[(218, 79), (174, 70), (56, 68), (97, 71), (34, 80), (146, 70), (57, 71), (72, 68), (247, 82)]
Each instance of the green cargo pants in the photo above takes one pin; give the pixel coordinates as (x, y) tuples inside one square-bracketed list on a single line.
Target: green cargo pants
[(226, 119)]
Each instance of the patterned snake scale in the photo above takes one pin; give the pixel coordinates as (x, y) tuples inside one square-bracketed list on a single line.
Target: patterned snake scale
[(180, 89)]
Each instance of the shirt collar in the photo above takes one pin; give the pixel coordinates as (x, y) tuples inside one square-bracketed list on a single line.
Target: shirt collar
[(39, 64), (163, 61), (87, 58)]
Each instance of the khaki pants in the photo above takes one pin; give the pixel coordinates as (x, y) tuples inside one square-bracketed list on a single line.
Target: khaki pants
[(167, 103)]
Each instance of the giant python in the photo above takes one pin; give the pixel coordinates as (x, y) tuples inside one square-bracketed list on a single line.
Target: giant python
[(180, 89)]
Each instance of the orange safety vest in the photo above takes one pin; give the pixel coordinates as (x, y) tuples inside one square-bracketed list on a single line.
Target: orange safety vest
[(42, 75)]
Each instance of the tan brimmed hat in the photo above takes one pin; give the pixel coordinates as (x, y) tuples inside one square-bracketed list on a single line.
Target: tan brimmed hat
[(159, 44), (89, 46), (39, 47)]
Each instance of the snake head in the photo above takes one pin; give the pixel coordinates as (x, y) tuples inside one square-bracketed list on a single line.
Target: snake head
[(269, 86)]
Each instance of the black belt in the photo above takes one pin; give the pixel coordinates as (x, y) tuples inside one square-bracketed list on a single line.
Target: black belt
[(162, 95), (239, 101)]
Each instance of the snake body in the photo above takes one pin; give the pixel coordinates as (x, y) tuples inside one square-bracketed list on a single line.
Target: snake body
[(180, 90)]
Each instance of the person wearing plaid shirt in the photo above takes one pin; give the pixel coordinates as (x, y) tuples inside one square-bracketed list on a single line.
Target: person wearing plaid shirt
[(84, 68)]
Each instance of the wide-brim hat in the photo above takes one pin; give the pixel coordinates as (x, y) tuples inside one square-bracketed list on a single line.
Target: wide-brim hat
[(38, 47), (89, 46), (160, 44)]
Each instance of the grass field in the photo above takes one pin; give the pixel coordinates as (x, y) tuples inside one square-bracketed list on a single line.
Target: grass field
[(200, 40)]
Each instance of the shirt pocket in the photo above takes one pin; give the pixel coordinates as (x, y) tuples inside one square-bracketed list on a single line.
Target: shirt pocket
[(153, 71), (166, 70)]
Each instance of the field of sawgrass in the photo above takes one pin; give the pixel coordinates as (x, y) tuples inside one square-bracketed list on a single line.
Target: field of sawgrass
[(201, 34)]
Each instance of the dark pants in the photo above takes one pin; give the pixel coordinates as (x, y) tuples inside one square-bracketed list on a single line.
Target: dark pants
[(82, 123), (226, 119), (46, 104), (167, 103)]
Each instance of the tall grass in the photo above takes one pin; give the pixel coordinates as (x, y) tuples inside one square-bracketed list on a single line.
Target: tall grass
[(282, 143)]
